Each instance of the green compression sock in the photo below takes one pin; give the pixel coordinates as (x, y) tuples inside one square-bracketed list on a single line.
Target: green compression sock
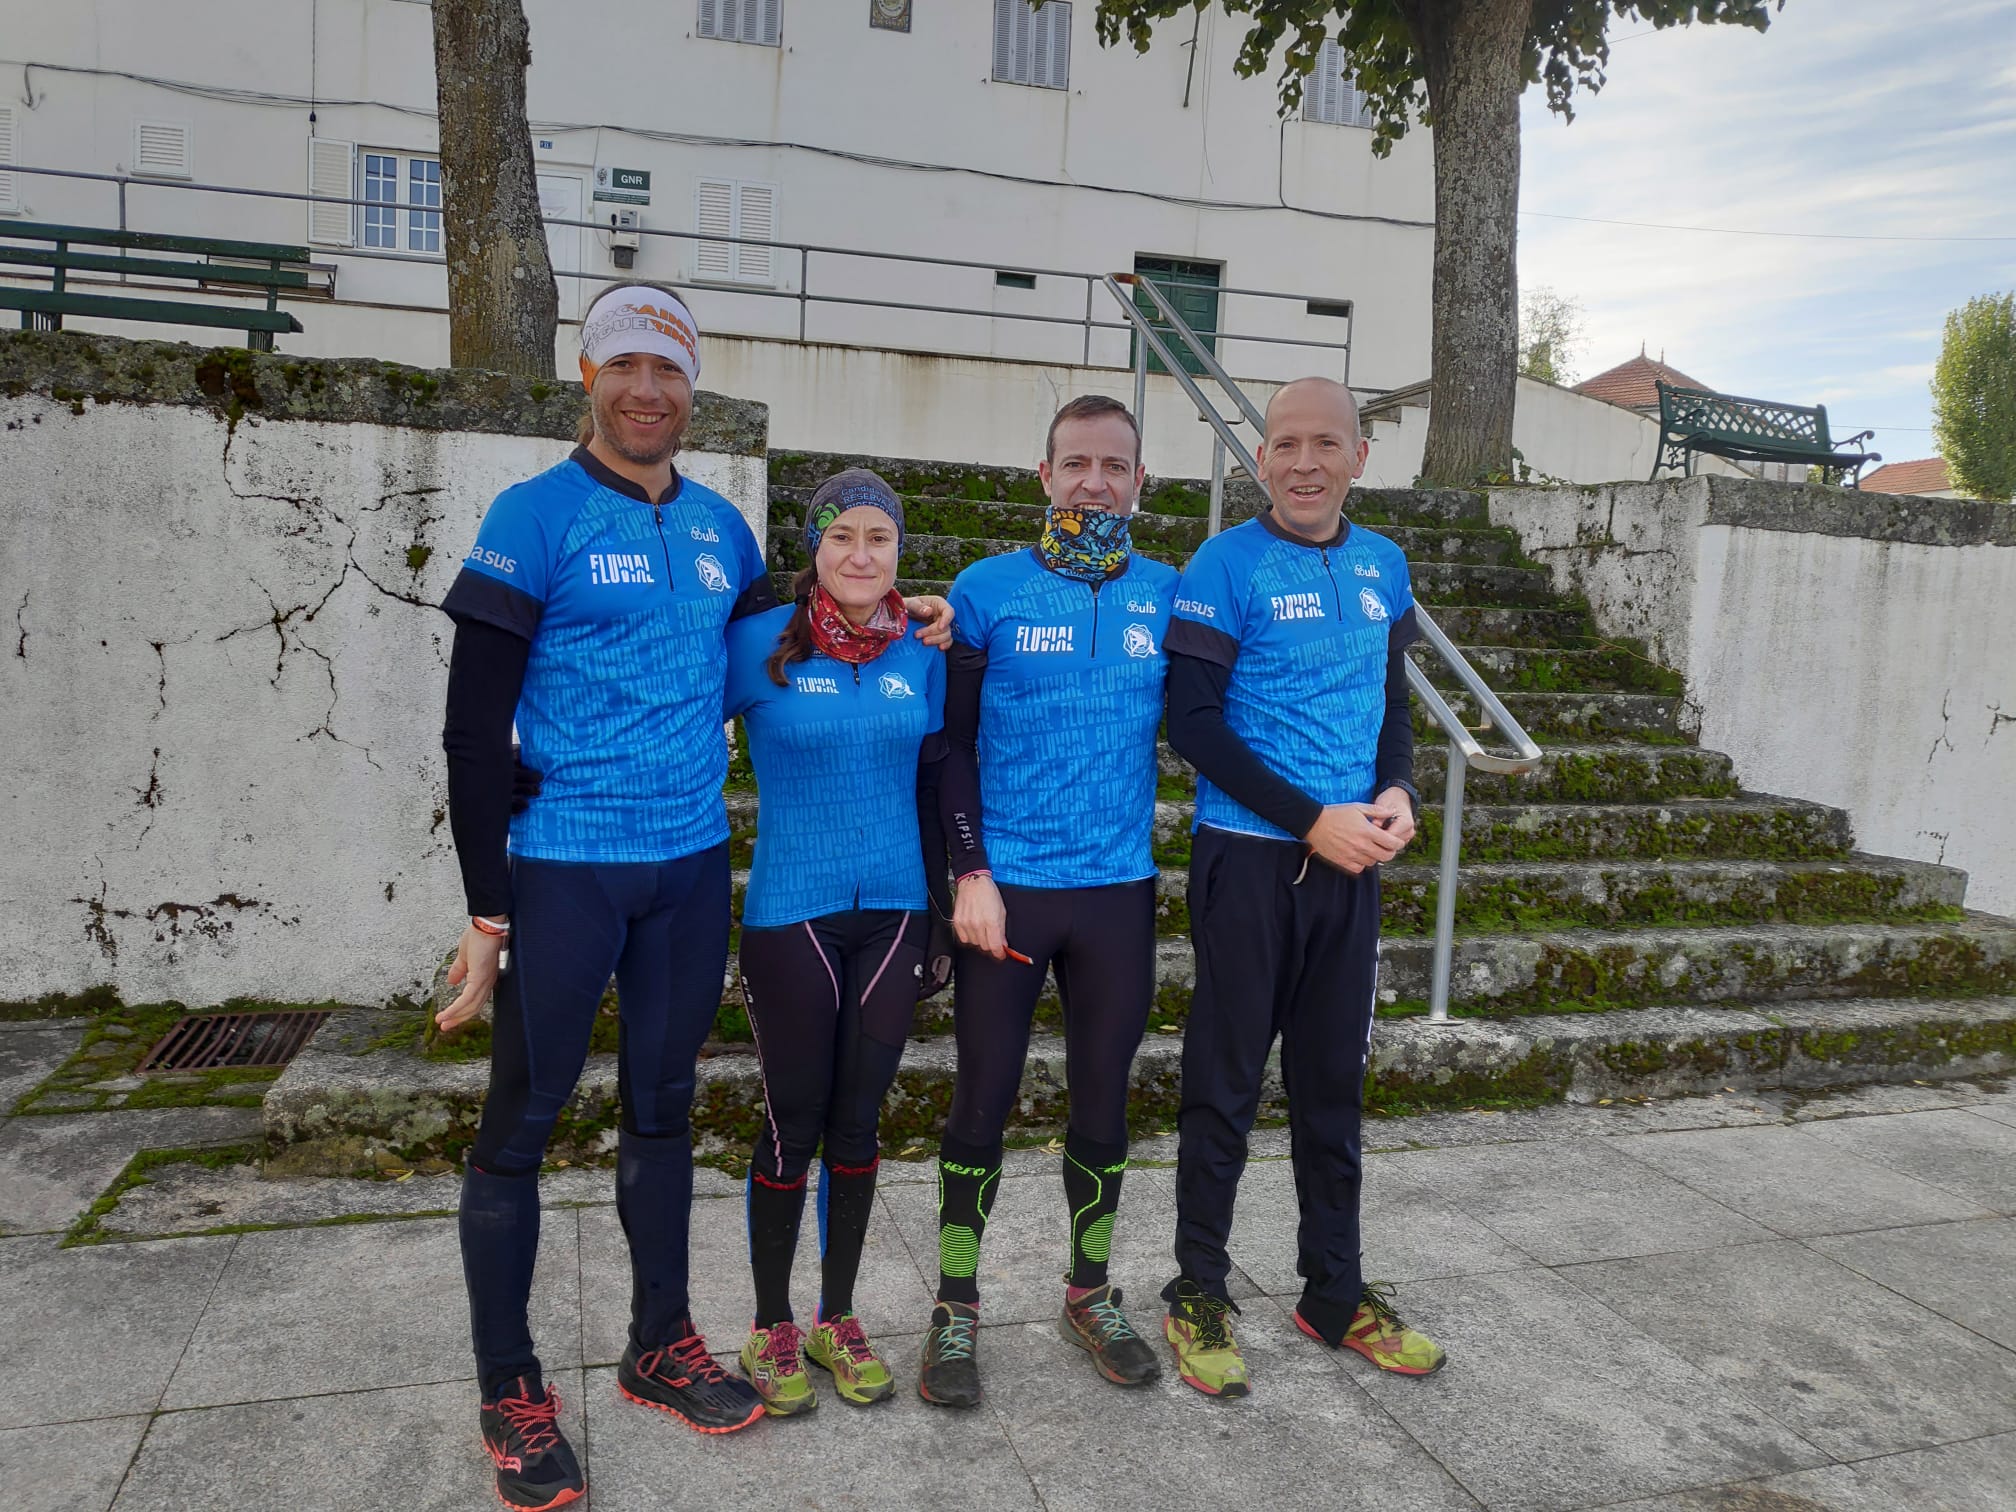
[(967, 1179), (1092, 1175)]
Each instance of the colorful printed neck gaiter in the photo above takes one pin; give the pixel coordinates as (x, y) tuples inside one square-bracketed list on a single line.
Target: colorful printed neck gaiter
[(1088, 544), (836, 636)]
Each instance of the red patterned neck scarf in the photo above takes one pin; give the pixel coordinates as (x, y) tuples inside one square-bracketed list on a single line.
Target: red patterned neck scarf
[(845, 641)]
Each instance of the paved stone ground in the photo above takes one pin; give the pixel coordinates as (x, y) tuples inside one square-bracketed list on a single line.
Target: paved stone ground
[(1749, 1303)]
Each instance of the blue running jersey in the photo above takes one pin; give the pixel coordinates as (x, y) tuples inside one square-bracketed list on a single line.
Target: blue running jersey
[(836, 773), (626, 605), (1305, 630), (1069, 707)]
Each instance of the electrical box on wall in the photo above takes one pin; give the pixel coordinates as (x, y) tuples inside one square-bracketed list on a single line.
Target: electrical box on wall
[(624, 224)]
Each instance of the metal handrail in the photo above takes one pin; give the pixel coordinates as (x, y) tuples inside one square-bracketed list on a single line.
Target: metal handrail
[(802, 296), (1465, 750)]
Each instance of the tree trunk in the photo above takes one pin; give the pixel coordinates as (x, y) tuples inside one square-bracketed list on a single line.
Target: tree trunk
[(1472, 50), (502, 308)]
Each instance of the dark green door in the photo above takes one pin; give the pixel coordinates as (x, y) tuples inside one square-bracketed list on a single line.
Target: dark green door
[(1192, 287)]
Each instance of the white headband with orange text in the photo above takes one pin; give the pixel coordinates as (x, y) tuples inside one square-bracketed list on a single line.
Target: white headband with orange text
[(639, 319)]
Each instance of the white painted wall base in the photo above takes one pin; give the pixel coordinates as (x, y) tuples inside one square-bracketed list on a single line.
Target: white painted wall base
[(1845, 648), (221, 752)]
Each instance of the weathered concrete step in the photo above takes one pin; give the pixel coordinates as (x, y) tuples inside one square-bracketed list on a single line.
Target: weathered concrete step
[(1701, 829), (1526, 895), (940, 556), (1602, 969), (971, 518), (1440, 585), (346, 1105), (1478, 625), (1619, 773), (967, 519), (1604, 669), (1523, 896), (1567, 774), (1575, 718), (1175, 496)]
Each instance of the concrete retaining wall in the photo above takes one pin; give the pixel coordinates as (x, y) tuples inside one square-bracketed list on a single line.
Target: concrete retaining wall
[(223, 671), (1853, 649)]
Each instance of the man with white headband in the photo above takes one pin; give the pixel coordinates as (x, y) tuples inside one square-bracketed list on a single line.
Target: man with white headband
[(593, 611)]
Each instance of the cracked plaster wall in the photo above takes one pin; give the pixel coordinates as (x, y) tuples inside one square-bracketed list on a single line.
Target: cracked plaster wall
[(1852, 649), (221, 694)]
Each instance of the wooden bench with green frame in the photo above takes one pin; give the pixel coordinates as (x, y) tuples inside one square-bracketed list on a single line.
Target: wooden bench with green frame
[(1751, 430), (285, 268)]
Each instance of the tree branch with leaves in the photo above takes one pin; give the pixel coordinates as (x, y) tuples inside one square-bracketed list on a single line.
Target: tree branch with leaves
[(1458, 66)]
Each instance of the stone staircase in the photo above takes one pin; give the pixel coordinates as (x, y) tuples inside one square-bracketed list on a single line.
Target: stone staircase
[(1630, 921)]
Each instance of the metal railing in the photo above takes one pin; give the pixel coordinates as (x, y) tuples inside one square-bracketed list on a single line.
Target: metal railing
[(1465, 750), (803, 296)]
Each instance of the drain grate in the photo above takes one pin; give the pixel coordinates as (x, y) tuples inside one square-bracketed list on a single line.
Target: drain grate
[(206, 1041)]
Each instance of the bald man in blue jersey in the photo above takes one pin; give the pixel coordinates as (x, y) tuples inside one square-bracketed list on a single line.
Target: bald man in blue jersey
[(1288, 693)]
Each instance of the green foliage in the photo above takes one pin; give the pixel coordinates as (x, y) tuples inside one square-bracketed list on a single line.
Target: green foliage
[(1974, 397), (1550, 334), (1566, 48)]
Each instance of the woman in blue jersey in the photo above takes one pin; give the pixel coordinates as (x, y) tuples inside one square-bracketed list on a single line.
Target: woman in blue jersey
[(843, 711)]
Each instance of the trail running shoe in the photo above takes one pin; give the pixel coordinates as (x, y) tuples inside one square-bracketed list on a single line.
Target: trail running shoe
[(951, 1376), (683, 1379), (839, 1345), (1206, 1355), (536, 1468), (774, 1361), (1096, 1325), (1379, 1333)]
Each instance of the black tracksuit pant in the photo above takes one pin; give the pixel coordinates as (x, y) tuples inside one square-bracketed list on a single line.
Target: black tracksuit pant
[(1299, 960)]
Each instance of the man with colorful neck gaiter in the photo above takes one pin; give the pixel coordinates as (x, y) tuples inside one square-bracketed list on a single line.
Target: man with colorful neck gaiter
[(1054, 692)]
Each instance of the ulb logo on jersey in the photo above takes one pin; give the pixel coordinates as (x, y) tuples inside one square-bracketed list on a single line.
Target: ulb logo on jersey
[(1365, 569), (1137, 641), (1139, 605), (1372, 604), (896, 685), (712, 575)]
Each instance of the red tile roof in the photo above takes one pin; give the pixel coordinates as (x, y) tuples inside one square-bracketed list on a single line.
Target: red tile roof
[(1631, 383), (1927, 475)]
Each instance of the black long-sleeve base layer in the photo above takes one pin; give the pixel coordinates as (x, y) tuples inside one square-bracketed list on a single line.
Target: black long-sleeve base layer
[(1200, 735), (959, 783), (486, 673)]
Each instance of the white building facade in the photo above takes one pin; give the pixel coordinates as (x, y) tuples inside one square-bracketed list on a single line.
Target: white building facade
[(972, 131)]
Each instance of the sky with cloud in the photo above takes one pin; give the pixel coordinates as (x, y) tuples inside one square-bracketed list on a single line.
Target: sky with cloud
[(1859, 119)]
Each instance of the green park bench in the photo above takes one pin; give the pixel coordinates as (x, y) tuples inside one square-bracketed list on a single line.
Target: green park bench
[(1751, 430), (222, 263)]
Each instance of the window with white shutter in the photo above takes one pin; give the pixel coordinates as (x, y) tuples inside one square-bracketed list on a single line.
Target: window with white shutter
[(714, 215), (735, 207), (332, 172), (1033, 46), (10, 192), (1331, 95), (160, 150), (755, 216), (757, 21)]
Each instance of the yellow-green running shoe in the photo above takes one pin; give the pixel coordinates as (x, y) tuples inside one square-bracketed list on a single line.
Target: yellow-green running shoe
[(1379, 1333), (1206, 1354), (838, 1345), (774, 1361)]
